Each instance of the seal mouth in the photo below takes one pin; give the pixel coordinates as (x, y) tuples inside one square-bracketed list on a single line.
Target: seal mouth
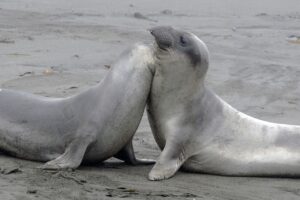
[(162, 36)]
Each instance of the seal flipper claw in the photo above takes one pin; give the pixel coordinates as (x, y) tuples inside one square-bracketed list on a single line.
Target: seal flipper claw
[(71, 158), (127, 155)]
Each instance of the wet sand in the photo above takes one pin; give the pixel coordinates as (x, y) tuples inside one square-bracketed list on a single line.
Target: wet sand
[(58, 48)]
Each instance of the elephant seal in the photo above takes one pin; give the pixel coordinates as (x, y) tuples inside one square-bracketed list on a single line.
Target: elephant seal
[(92, 126), (198, 131)]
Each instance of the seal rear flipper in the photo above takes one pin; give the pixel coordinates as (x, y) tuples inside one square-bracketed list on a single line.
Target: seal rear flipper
[(127, 155), (71, 158)]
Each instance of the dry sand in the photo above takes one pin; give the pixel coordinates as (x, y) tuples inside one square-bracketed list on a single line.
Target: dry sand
[(60, 47)]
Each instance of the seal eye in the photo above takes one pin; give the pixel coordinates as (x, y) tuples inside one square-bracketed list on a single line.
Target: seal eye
[(183, 41)]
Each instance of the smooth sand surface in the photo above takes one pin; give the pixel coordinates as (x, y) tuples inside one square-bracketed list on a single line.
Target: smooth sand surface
[(60, 47)]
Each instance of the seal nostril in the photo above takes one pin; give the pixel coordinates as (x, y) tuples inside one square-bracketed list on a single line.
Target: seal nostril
[(152, 33), (151, 30)]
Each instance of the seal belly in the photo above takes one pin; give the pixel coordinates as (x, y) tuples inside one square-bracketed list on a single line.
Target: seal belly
[(246, 146), (29, 125), (20, 141)]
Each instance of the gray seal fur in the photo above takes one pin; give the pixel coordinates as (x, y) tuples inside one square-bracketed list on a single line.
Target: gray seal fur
[(200, 132), (92, 126)]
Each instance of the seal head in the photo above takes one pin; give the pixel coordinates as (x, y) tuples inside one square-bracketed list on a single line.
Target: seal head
[(167, 38)]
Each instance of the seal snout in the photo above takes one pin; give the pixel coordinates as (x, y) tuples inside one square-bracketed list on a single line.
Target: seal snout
[(163, 36)]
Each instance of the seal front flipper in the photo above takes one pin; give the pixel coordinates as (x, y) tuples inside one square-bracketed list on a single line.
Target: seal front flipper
[(170, 160), (72, 157), (127, 155)]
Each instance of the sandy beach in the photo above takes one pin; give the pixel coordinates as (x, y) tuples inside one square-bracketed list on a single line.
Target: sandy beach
[(58, 48)]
